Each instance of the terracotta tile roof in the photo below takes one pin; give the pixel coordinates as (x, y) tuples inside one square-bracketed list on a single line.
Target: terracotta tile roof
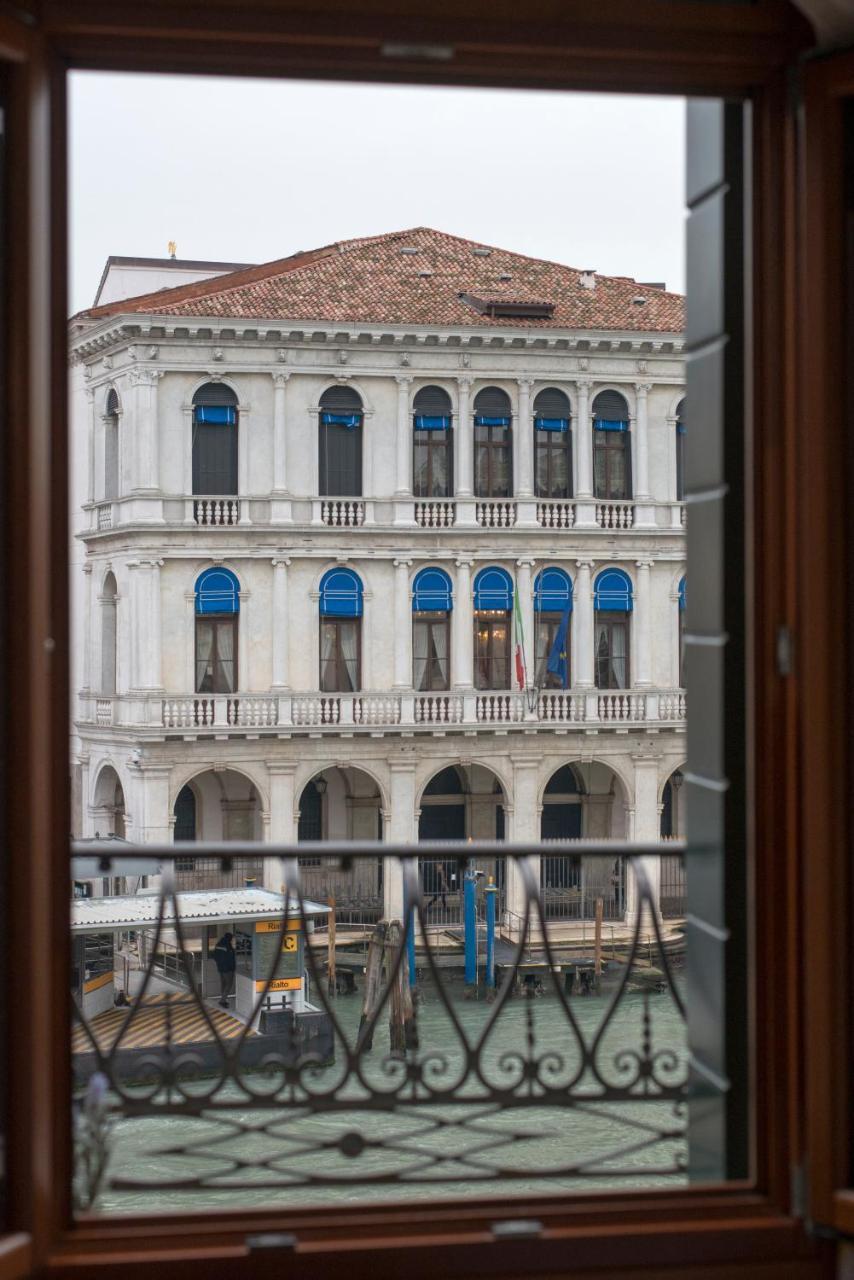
[(376, 281)]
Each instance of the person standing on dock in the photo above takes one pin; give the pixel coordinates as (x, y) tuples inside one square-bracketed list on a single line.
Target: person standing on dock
[(226, 963)]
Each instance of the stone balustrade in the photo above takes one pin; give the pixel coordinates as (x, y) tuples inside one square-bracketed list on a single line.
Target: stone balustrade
[(586, 710)]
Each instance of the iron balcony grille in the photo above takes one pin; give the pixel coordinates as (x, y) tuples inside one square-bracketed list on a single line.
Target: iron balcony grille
[(570, 1071)]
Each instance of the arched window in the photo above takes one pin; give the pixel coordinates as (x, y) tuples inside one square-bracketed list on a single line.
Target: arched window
[(310, 826), (493, 606), (552, 445), (682, 633), (432, 444), (185, 816), (552, 609), (493, 444), (612, 599), (108, 636), (340, 631), (561, 820), (432, 601), (214, 440), (680, 451), (612, 449), (217, 609), (340, 443), (111, 446)]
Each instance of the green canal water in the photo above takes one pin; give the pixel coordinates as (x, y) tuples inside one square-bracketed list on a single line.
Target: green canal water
[(590, 1146)]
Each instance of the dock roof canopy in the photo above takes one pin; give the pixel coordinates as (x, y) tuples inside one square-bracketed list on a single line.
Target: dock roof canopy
[(205, 906)]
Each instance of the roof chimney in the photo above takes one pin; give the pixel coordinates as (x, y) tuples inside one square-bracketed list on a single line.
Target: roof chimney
[(588, 278)]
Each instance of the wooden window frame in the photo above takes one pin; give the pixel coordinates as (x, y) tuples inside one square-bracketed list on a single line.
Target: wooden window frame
[(549, 621), (491, 618), (218, 619), (340, 664), (432, 445), (432, 618), (799, 716), (486, 442), (551, 447), (609, 443), (609, 618)]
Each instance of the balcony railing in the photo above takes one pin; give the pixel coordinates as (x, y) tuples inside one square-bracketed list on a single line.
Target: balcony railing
[(212, 512), (495, 513), (216, 512), (519, 1088), (476, 710), (615, 515)]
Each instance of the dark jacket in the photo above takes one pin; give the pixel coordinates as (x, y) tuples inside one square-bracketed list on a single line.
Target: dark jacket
[(226, 960)]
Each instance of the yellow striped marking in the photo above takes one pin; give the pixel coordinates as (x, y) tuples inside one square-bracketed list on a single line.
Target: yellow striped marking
[(95, 984), (175, 1019)]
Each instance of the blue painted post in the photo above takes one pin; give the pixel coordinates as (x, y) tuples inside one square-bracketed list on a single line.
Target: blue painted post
[(491, 892), (470, 925), (410, 944)]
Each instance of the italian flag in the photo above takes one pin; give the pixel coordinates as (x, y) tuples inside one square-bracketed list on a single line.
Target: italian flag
[(520, 640)]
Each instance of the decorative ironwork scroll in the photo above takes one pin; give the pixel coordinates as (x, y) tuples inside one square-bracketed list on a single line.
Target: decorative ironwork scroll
[(540, 1054)]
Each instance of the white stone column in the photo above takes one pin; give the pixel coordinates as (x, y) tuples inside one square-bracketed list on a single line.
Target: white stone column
[(90, 444), (404, 507), (464, 437), (243, 435), (523, 437), (146, 477), (134, 621), (582, 626), (644, 506), (86, 674), (190, 641), (402, 625), (641, 675), (242, 644), (403, 486), (280, 629), (525, 830), (282, 826), (401, 830), (641, 441), (583, 442), (151, 804), (646, 827), (526, 605), (155, 652), (187, 459), (462, 628), (280, 444)]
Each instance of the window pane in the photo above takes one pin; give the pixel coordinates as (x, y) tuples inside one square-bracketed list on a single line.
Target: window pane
[(617, 468), (204, 655), (420, 470)]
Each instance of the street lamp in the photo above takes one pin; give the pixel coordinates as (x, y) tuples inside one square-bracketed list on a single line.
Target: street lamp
[(320, 784), (532, 696)]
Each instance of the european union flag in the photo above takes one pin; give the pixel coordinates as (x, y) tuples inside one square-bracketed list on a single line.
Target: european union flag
[(558, 664)]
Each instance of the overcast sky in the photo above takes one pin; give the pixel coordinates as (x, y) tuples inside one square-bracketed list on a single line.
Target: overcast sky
[(248, 171)]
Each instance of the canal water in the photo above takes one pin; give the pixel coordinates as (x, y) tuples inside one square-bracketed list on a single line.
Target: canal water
[(589, 1145)]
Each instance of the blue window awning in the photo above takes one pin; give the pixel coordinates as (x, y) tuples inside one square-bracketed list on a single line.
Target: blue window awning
[(613, 591), (552, 591), (682, 594), (609, 424), (341, 594), (348, 420), (551, 424), (431, 422), (493, 589), (217, 591), (432, 592), (219, 414), (680, 428), (486, 420)]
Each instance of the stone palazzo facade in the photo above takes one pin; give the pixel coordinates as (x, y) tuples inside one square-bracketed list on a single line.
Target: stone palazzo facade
[(379, 541)]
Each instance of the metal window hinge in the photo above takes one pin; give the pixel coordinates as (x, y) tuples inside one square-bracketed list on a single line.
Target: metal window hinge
[(272, 1243), (785, 650), (517, 1229), (799, 1191)]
